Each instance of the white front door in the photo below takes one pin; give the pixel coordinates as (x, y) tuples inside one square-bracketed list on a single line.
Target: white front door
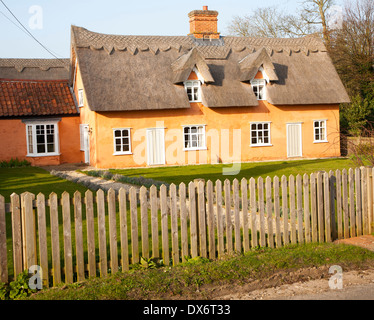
[(155, 146), (294, 140), (85, 142)]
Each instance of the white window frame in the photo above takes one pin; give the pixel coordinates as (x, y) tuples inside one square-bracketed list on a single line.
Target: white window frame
[(262, 144), (193, 84), (257, 84), (324, 122), (80, 98), (32, 152), (120, 153), (190, 134)]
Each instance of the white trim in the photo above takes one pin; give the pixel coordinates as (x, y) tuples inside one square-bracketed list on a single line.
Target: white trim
[(269, 144), (80, 98), (301, 139), (190, 84), (121, 153), (259, 83), (324, 140), (33, 125), (204, 146)]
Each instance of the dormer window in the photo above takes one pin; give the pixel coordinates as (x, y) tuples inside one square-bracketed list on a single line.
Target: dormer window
[(193, 89), (259, 88)]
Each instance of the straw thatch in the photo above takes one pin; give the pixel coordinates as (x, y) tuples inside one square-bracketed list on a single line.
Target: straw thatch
[(147, 72), (34, 69)]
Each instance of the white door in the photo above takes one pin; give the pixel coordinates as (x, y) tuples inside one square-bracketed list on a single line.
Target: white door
[(155, 146), (85, 141), (294, 140)]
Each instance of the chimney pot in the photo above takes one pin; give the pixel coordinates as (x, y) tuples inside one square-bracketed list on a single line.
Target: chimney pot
[(203, 24)]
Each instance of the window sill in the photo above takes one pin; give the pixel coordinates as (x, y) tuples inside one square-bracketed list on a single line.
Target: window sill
[(43, 155), (320, 141), (261, 145), (195, 149), (122, 153)]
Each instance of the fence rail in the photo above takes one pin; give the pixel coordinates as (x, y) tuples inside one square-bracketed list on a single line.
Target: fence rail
[(74, 237)]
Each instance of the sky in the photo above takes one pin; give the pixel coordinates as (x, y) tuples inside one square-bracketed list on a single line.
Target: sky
[(49, 21)]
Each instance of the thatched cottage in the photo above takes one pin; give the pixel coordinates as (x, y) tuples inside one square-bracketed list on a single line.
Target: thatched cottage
[(202, 97)]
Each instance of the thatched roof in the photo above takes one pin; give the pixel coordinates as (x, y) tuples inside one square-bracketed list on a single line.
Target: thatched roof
[(34, 69), (147, 72)]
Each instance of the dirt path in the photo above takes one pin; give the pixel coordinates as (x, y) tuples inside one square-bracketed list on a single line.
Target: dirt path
[(356, 285)]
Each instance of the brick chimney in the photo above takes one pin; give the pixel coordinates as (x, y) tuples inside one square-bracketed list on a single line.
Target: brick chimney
[(203, 23)]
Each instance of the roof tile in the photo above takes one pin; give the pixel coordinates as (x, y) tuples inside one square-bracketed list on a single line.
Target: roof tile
[(35, 98)]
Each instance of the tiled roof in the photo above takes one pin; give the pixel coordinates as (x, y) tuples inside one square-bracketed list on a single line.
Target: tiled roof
[(35, 98)]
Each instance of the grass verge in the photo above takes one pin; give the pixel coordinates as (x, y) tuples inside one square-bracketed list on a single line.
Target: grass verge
[(201, 279), (186, 174)]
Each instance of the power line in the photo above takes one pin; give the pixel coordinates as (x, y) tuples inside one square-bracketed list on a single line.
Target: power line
[(28, 32)]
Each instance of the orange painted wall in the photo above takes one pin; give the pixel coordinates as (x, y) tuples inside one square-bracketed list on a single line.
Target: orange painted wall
[(221, 125), (13, 142)]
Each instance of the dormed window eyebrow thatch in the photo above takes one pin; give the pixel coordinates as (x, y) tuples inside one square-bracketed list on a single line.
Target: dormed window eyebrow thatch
[(250, 65), (184, 65)]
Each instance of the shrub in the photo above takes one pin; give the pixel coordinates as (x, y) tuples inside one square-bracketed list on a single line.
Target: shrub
[(17, 289), (14, 163)]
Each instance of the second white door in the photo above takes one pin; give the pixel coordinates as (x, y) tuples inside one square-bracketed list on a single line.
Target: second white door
[(155, 146), (294, 140)]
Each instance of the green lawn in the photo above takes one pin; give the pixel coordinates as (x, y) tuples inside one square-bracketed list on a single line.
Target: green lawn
[(247, 170), (33, 180)]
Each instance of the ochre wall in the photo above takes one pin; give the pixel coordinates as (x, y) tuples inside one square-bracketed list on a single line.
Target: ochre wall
[(13, 142), (221, 125)]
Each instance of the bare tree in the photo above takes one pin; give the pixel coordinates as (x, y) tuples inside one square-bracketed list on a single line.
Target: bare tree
[(272, 22), (315, 12)]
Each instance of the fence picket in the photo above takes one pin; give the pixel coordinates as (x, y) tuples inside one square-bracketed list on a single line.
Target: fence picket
[(202, 219), (339, 203), (3, 244), (134, 226), (321, 228), (352, 216), (244, 190), (261, 206), (332, 191), (358, 201), (193, 219), (79, 235), (364, 197), (112, 230), (123, 229), (229, 244), (278, 235), (42, 230), (306, 208), (286, 238), (103, 262), (253, 201), (326, 186), (220, 236), (68, 253), (345, 203), (55, 239), (174, 224), (90, 227), (144, 221), (210, 220), (164, 225), (183, 219), (291, 181), (299, 209), (269, 212), (236, 202)]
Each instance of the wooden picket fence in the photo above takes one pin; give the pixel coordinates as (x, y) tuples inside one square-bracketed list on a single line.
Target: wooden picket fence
[(109, 232)]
